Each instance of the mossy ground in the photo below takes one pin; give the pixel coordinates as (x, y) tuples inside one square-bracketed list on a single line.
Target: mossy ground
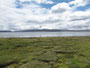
[(49, 52)]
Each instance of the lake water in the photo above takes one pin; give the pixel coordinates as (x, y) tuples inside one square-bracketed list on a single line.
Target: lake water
[(44, 34)]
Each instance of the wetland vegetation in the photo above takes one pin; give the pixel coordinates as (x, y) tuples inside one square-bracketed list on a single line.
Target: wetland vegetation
[(47, 52)]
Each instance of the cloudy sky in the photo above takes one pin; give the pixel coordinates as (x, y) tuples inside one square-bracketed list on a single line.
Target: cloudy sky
[(44, 14)]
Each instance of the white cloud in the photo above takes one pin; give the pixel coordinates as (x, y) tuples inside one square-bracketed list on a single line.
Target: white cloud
[(32, 16), (60, 8), (78, 3), (39, 1)]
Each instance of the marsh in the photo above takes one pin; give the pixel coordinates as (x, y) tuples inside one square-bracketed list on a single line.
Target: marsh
[(47, 52)]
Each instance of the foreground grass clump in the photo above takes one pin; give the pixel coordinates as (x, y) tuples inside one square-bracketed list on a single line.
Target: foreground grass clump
[(55, 52)]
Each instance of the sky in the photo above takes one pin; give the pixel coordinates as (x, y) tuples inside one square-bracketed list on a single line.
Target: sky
[(44, 14)]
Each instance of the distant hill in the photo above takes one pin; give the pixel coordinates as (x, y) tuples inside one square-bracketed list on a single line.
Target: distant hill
[(5, 31), (44, 30), (48, 30)]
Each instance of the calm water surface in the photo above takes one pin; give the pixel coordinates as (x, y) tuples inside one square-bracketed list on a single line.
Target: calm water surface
[(43, 34)]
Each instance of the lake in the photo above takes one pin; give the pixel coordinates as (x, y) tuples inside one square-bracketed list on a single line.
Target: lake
[(44, 34)]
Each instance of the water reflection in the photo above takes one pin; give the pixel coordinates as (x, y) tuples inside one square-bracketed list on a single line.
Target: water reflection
[(43, 34)]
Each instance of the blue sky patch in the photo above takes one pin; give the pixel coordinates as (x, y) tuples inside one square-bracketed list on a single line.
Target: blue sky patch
[(60, 1), (48, 6), (83, 8)]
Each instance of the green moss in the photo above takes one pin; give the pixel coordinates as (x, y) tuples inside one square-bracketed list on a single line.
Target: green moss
[(36, 64), (48, 52)]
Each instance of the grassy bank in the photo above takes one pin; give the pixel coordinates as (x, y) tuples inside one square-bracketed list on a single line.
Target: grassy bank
[(55, 52)]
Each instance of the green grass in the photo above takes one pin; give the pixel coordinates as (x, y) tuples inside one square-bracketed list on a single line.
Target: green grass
[(49, 52)]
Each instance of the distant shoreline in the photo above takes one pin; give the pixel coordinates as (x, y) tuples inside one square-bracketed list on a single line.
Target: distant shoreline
[(45, 37), (48, 31), (26, 34)]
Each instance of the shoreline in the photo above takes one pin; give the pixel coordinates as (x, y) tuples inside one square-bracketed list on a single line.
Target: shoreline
[(47, 37)]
